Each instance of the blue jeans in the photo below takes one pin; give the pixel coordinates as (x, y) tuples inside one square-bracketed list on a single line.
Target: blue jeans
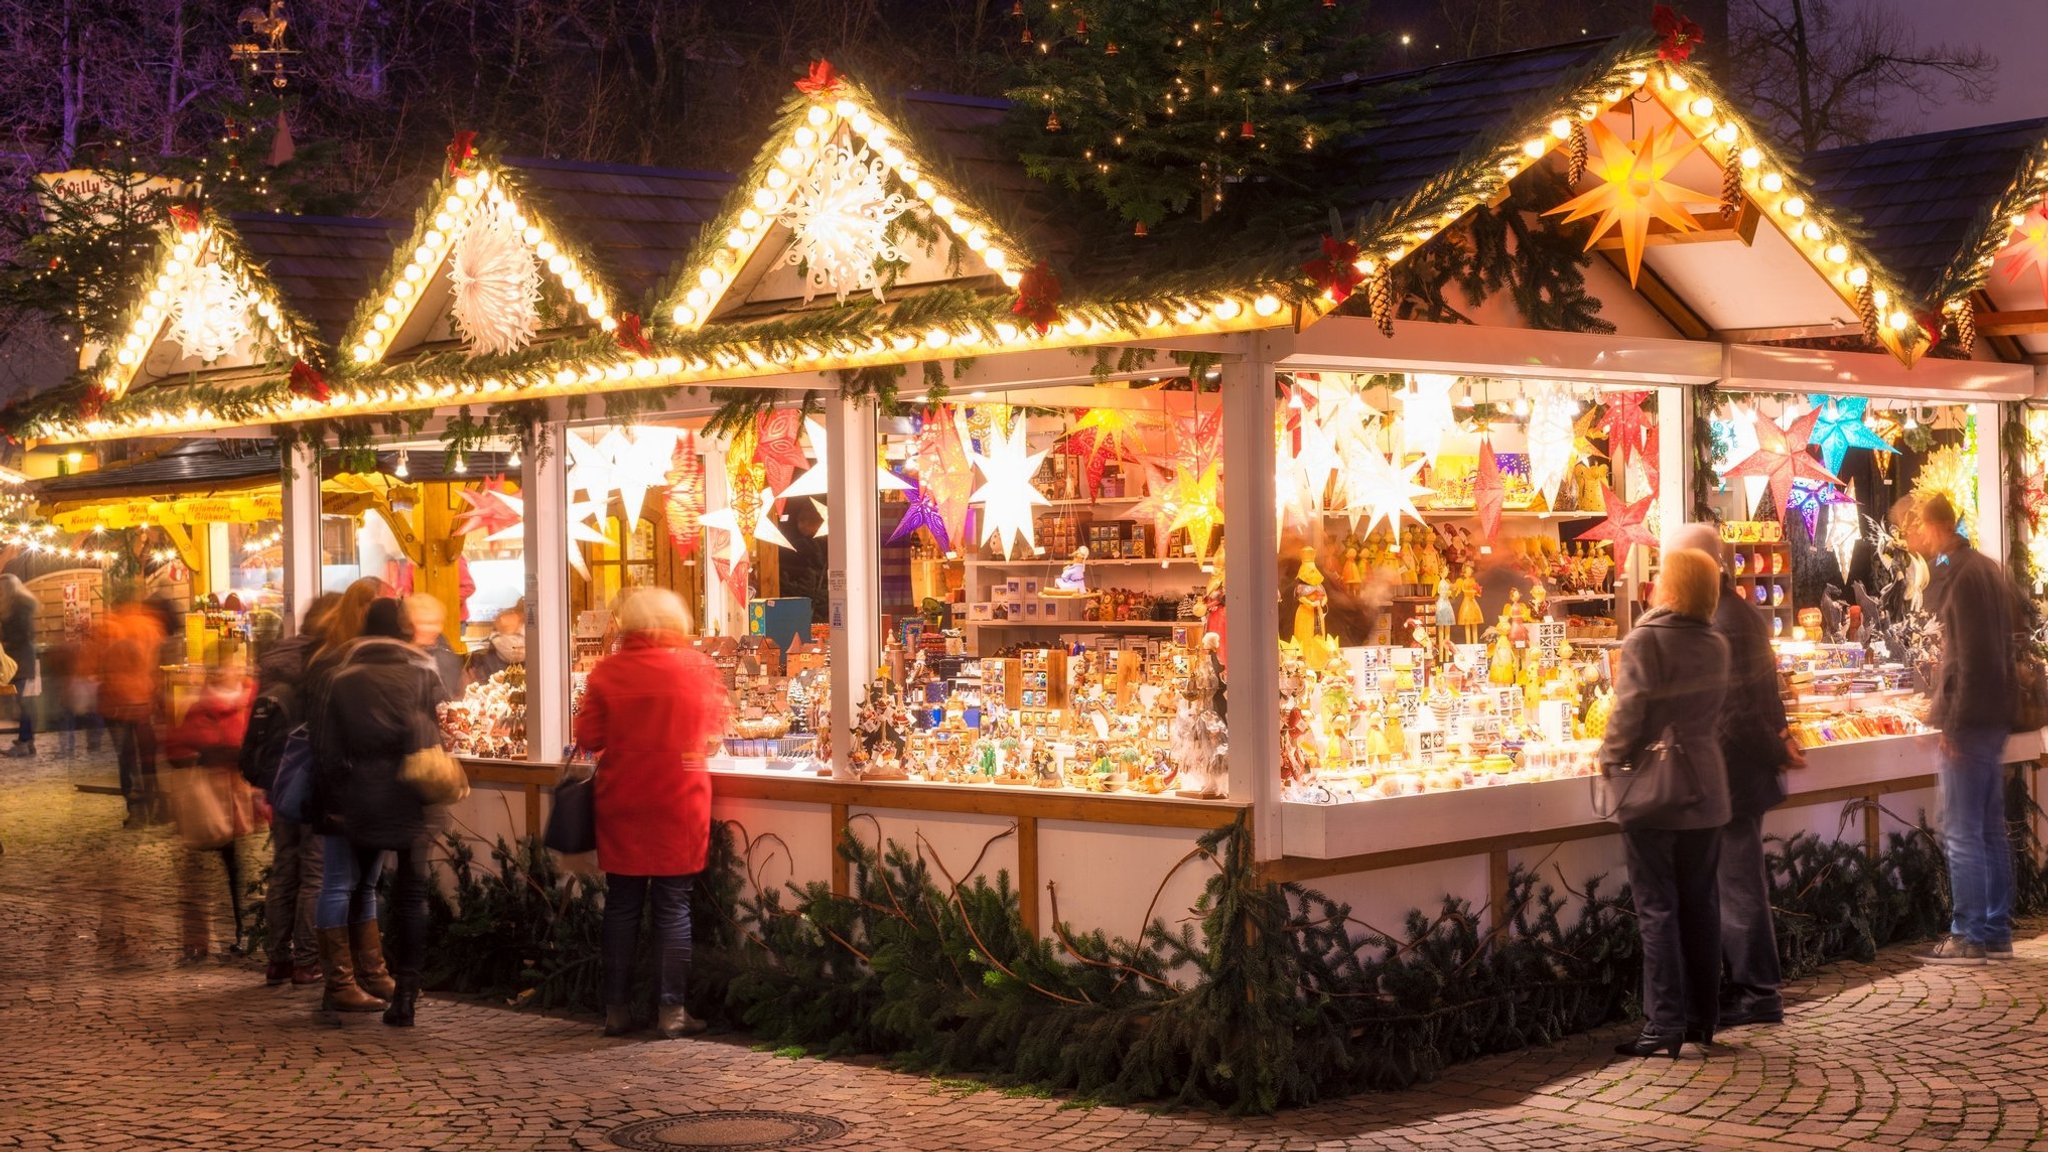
[(624, 897), (1974, 832), (348, 884)]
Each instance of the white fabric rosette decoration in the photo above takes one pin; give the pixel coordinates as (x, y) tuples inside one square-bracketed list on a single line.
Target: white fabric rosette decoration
[(495, 277)]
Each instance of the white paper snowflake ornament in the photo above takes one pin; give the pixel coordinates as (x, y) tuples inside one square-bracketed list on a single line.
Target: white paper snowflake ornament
[(839, 218), (209, 313), (495, 282)]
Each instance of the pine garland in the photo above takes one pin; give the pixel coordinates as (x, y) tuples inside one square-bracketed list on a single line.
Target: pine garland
[(1970, 267)]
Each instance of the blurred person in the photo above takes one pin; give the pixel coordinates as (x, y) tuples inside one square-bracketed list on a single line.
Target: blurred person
[(372, 711), (429, 621), (505, 648), (18, 609), (1756, 746), (213, 806), (128, 651), (72, 692), (649, 713), (1970, 598), (1674, 677), (293, 890)]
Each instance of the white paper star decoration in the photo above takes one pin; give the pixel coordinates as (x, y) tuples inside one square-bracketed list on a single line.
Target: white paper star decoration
[(1007, 494), (209, 313), (817, 478), (1550, 438), (726, 519), (1426, 413), (495, 281), (838, 218), (1376, 489)]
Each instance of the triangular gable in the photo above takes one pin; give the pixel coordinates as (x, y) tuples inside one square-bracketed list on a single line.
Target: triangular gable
[(202, 305), (480, 216), (1803, 233), (833, 149)]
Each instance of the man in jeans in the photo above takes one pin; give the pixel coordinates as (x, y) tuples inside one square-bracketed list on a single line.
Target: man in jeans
[(1970, 598)]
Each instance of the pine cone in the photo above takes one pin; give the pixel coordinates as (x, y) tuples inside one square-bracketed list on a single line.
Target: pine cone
[(1731, 183), (1866, 310), (1965, 317), (1575, 152), (1380, 297)]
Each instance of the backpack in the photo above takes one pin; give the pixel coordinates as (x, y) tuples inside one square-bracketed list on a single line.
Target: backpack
[(291, 793), (272, 716)]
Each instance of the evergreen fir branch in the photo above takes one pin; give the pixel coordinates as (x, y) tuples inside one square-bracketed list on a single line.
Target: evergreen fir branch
[(1970, 266)]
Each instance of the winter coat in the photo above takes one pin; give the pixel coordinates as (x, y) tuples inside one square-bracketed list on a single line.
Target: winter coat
[(211, 730), (649, 712), (1969, 595), (18, 636), (449, 666), (370, 706), (501, 651), (1752, 721), (1674, 674), (283, 663), (130, 641)]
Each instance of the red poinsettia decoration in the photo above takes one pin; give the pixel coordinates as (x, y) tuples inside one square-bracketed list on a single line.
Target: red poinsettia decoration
[(822, 78), (1336, 270), (461, 151), (1038, 298), (630, 335), (95, 399), (185, 218), (1678, 34), (306, 381)]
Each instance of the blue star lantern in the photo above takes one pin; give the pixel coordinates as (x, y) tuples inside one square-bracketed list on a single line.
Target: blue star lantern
[(1841, 428)]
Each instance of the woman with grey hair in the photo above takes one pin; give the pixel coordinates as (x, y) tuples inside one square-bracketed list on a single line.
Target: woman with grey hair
[(18, 608)]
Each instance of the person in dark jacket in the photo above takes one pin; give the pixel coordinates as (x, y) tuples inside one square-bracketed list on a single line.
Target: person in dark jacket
[(377, 708), (1756, 746), (1970, 597), (429, 631), (18, 608), (505, 648), (1674, 676), (293, 890)]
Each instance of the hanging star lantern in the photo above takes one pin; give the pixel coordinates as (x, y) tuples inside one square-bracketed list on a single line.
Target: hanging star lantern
[(1807, 498), (645, 457), (922, 512), (1651, 468), (1781, 458), (1489, 491), (1552, 435), (1308, 469), (1584, 450), (824, 519), (817, 478), (1634, 189), (1626, 525), (943, 470), (1007, 494), (2027, 250), (1189, 503), (491, 508), (685, 501), (733, 519), (1841, 427), (776, 448), (1426, 413), (1102, 435), (590, 464), (1375, 489), (1627, 427)]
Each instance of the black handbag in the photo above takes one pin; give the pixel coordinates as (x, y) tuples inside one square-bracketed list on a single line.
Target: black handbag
[(572, 819), (1657, 786)]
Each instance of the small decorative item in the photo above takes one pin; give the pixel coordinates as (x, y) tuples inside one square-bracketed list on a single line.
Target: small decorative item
[(1073, 579), (1469, 615), (1311, 598)]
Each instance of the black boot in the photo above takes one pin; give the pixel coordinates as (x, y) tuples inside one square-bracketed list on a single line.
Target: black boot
[(1652, 1042), (399, 1015)]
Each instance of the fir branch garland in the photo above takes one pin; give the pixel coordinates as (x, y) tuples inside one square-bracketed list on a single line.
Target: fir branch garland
[(1970, 266)]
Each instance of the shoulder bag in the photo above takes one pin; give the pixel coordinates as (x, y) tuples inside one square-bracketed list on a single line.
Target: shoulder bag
[(1658, 785), (572, 813)]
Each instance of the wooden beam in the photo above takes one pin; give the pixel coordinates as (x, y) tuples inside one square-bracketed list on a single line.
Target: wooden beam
[(1027, 872), (1658, 295), (1712, 229), (2006, 347), (181, 539), (401, 531), (1787, 332), (842, 878), (2025, 322)]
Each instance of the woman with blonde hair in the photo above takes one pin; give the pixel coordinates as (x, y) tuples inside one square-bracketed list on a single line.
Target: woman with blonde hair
[(650, 711), (1663, 760)]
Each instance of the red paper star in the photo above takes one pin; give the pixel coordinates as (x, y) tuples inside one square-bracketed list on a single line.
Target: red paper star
[(1488, 491), (1102, 435), (1650, 466), (1625, 425), (1781, 457), (778, 449), (1624, 525), (487, 512)]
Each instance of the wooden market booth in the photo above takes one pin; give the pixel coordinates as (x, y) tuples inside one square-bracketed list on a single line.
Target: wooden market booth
[(1730, 301)]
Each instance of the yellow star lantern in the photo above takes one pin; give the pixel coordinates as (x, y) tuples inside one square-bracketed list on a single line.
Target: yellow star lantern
[(1635, 189), (1190, 503)]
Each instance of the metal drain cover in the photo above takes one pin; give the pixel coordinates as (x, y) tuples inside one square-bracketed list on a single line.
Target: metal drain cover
[(747, 1131)]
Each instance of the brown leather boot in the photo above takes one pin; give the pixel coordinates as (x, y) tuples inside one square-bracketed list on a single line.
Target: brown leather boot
[(367, 945), (341, 994)]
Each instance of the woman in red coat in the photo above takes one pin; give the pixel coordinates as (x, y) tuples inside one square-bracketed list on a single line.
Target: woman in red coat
[(650, 711)]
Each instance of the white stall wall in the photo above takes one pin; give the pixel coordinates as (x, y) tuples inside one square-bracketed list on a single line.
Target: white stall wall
[(1107, 876)]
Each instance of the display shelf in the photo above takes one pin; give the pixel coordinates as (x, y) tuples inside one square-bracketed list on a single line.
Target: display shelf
[(1505, 514), (1086, 625), (1058, 562), (1084, 502)]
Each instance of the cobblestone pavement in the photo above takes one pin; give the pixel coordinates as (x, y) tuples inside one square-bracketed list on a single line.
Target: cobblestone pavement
[(109, 1044)]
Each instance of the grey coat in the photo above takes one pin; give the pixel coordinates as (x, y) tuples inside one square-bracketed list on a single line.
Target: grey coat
[(1674, 674)]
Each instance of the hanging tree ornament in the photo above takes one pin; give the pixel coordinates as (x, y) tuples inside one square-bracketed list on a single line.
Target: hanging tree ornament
[(1635, 189), (1781, 458), (209, 313), (839, 219), (1808, 496), (494, 280), (684, 503), (1840, 427), (642, 464), (1007, 494), (1626, 524)]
